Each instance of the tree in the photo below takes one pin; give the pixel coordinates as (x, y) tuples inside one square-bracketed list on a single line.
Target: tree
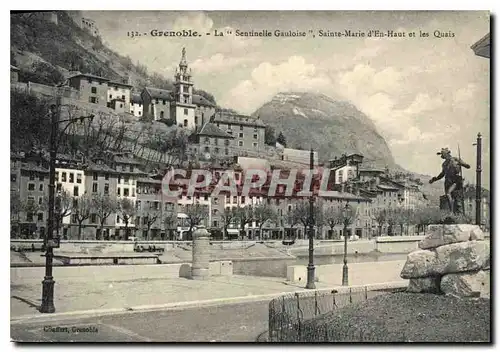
[(104, 206), (245, 216), (281, 139), (380, 218), (127, 212), (195, 214), (16, 206), (31, 208), (63, 207), (169, 221), (263, 213), (428, 215), (300, 214), (150, 219), (269, 135), (333, 216), (391, 219), (227, 217), (82, 208)]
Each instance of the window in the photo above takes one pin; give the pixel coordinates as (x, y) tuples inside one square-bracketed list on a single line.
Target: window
[(63, 177), (235, 200), (228, 126), (207, 140), (241, 135), (57, 176), (121, 105), (40, 200), (75, 191), (216, 200), (185, 122), (218, 124), (123, 97), (71, 178), (93, 90), (161, 114), (216, 150), (58, 187), (169, 206), (94, 187), (74, 219), (31, 186), (243, 199), (29, 217), (125, 192), (40, 216), (78, 178), (255, 129), (216, 141), (126, 180), (156, 205), (93, 218), (133, 192), (118, 191), (207, 150), (110, 96), (94, 176), (226, 151), (255, 136), (40, 187), (75, 202), (241, 127), (226, 142), (40, 178), (185, 111), (139, 113), (216, 223), (32, 176), (254, 144), (118, 218), (93, 100), (164, 102), (240, 143), (106, 188)]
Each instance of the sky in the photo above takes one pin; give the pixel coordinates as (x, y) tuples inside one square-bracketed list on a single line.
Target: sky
[(423, 93)]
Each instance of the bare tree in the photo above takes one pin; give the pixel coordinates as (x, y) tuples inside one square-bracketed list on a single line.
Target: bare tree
[(82, 208), (195, 214), (127, 212), (31, 208), (262, 214), (245, 215), (104, 206), (169, 221), (150, 219), (16, 207), (380, 218), (63, 207), (300, 214), (227, 217), (333, 216)]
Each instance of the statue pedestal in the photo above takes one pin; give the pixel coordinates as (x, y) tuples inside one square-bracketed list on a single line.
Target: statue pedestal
[(201, 257)]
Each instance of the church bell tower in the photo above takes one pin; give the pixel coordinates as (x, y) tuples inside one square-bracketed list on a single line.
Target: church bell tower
[(183, 86)]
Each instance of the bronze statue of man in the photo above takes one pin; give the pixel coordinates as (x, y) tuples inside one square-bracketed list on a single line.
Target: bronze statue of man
[(453, 181)]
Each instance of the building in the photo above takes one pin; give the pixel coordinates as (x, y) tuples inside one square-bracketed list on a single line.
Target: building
[(346, 167), (482, 47), (136, 107), (29, 180), (90, 26), (212, 142), (181, 105), (93, 89), (118, 97), (248, 132)]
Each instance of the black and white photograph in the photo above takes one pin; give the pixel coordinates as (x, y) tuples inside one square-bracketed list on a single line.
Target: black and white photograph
[(250, 176)]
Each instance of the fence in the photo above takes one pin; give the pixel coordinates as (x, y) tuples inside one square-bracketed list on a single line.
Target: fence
[(291, 317)]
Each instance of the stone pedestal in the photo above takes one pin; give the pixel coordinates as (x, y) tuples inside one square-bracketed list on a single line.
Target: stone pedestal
[(201, 257)]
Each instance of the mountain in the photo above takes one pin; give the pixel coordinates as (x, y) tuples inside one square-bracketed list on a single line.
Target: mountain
[(331, 127), (47, 46)]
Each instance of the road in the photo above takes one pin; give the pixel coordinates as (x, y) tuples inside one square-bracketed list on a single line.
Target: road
[(227, 323)]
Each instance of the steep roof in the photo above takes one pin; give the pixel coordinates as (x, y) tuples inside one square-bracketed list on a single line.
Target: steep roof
[(136, 98), (226, 117), (33, 168), (200, 100), (113, 83), (209, 129), (156, 93)]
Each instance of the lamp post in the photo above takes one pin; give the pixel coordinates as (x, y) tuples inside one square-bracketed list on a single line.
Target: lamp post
[(478, 179), (345, 269), (310, 266), (48, 282)]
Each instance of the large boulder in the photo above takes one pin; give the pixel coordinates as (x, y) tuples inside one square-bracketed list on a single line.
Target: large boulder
[(467, 284), (420, 263), (440, 235), (461, 257), (424, 285)]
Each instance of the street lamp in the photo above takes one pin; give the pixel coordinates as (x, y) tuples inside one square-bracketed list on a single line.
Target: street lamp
[(347, 212), (310, 267), (48, 281), (478, 179)]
